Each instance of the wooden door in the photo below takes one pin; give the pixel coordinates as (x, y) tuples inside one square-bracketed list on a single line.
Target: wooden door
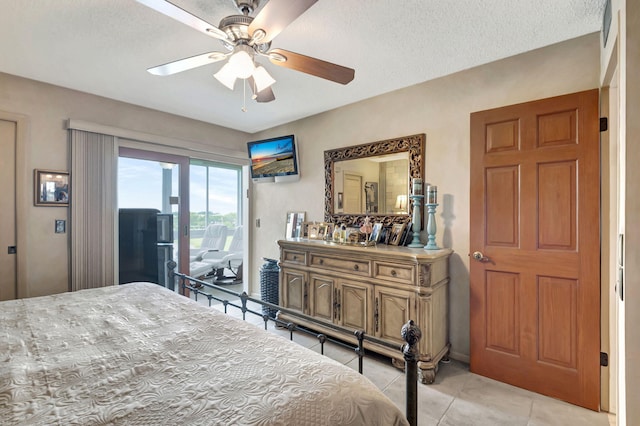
[(355, 305), (535, 289), (352, 193), (393, 309), (294, 290), (8, 285), (321, 303)]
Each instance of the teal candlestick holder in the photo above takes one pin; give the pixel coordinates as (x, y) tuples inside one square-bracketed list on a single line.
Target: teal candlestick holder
[(416, 219), (431, 227)]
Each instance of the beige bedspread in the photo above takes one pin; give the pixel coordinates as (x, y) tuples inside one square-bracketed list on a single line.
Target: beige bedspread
[(138, 354)]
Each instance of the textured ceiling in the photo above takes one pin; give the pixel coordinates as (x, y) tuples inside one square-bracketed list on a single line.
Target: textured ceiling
[(105, 46)]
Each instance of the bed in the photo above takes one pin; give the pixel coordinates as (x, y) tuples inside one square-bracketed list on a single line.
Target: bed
[(139, 354)]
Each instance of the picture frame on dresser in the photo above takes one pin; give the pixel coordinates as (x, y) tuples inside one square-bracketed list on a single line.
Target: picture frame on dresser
[(375, 233), (407, 234), (293, 228), (304, 232), (325, 229), (395, 236), (312, 232), (353, 235)]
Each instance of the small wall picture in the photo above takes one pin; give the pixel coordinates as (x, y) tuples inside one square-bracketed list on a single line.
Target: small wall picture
[(50, 188), (340, 200), (396, 234)]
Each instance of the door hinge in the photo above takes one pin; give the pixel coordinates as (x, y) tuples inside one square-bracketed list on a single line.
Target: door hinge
[(12, 250), (604, 124), (604, 359)]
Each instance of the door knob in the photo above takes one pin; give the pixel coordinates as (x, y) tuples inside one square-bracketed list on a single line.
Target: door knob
[(477, 255)]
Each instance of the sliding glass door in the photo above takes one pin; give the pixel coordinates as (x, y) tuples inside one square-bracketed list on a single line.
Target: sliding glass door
[(214, 196), (198, 196), (152, 188), (215, 204)]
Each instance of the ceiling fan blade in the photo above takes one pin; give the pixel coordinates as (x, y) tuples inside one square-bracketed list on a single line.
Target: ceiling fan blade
[(276, 15), (187, 63), (266, 95), (313, 66), (181, 15)]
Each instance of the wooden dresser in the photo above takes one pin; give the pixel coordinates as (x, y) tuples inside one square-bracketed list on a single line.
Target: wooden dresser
[(376, 289)]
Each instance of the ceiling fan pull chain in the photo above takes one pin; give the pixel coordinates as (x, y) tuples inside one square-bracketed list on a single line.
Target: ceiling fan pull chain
[(244, 95)]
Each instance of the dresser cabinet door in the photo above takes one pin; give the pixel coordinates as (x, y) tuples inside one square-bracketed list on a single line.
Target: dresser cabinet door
[(354, 310), (322, 298), (393, 309), (294, 290)]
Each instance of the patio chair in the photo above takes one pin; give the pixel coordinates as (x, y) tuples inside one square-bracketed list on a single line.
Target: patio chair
[(213, 239), (215, 263)]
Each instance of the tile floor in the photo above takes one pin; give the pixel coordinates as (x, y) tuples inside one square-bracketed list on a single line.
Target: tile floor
[(458, 397)]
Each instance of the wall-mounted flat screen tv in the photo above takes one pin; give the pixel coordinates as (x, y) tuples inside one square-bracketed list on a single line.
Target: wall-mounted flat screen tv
[(274, 160)]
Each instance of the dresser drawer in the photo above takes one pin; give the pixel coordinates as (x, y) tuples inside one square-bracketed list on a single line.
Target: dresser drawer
[(394, 272), (293, 256), (351, 266)]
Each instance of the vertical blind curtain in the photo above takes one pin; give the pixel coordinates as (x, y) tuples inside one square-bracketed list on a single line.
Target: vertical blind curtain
[(93, 207)]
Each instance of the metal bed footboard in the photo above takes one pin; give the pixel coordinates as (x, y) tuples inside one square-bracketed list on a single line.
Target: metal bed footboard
[(410, 332)]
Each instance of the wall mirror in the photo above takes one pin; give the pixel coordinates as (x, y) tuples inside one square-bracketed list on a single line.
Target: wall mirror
[(373, 179)]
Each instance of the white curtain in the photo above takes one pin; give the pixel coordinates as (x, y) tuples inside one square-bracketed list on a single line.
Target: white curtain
[(93, 207)]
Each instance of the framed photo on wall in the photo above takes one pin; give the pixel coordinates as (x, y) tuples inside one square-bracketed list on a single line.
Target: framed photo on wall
[(50, 188)]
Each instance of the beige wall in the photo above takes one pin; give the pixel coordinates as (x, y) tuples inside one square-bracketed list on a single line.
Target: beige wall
[(440, 109), (42, 254)]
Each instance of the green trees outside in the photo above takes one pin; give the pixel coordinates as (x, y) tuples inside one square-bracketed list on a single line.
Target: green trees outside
[(197, 219)]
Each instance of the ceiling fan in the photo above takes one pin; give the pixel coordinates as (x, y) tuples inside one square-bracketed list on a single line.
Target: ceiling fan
[(245, 38)]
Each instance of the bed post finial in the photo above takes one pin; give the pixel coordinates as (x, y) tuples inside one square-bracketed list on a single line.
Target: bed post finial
[(171, 266), (411, 334)]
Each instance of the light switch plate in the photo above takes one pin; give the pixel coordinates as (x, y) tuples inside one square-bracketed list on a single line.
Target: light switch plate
[(61, 226)]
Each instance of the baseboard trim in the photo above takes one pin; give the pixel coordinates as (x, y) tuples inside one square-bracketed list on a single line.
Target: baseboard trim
[(459, 357)]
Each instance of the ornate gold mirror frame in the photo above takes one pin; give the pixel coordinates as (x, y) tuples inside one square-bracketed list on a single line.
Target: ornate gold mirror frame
[(414, 145)]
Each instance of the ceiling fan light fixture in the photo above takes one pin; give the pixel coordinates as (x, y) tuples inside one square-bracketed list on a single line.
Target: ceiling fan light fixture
[(226, 75), (262, 79), (242, 62)]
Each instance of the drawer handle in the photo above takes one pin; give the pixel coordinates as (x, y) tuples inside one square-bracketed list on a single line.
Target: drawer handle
[(356, 267), (321, 261), (393, 273), (295, 257)]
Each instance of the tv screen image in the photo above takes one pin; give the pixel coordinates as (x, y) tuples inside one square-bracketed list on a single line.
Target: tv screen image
[(273, 157)]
